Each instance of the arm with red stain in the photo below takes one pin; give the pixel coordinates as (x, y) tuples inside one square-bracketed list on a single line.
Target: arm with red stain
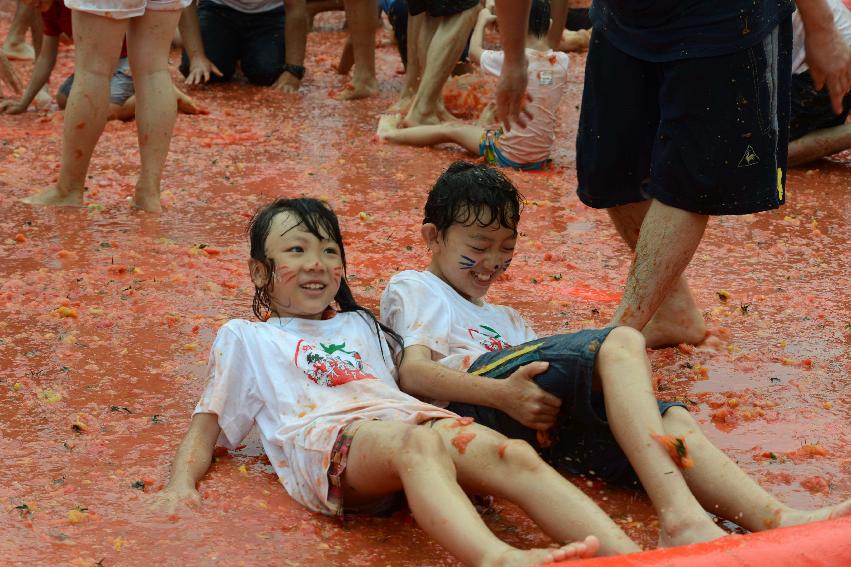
[(191, 463)]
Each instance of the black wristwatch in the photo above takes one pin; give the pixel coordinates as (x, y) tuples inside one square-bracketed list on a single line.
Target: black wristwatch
[(296, 71)]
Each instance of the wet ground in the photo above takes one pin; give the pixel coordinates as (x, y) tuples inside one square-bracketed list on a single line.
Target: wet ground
[(107, 316)]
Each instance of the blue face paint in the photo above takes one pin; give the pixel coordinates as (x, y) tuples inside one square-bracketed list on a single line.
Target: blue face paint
[(506, 264), (466, 262)]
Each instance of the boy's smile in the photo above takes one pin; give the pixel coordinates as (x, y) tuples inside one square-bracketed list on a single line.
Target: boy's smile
[(470, 257)]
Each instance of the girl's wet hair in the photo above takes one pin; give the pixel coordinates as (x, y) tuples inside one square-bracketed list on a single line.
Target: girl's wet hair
[(319, 220), (539, 18), (468, 194)]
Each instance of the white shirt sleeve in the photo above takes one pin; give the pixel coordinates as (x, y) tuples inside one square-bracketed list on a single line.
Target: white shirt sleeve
[(231, 391), (413, 310), (491, 62)]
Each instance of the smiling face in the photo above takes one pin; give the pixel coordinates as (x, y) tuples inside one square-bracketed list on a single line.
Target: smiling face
[(307, 270), (470, 258)]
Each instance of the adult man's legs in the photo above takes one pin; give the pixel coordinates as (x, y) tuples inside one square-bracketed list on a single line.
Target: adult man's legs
[(360, 15), (443, 51)]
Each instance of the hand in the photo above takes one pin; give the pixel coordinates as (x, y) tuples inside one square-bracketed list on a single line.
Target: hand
[(487, 16), (287, 83), (829, 59), (12, 107), (8, 76), (511, 96), (526, 402), (170, 499), (199, 70)]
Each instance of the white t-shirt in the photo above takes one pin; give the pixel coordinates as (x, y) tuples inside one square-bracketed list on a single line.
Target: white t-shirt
[(842, 21), (301, 381), (547, 83), (251, 6), (427, 311)]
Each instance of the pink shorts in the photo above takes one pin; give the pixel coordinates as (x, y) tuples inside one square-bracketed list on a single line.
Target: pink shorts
[(124, 9)]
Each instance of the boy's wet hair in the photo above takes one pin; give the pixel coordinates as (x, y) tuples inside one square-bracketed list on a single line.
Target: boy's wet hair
[(319, 219), (468, 194), (539, 18)]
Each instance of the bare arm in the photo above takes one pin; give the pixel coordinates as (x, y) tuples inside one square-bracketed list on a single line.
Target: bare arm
[(41, 74), (477, 40), (295, 40), (517, 395), (200, 66), (558, 17), (511, 97), (191, 462), (828, 54)]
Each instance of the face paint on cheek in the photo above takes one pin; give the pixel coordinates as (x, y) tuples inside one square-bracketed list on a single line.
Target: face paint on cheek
[(283, 274), (466, 262), (504, 266), (337, 272)]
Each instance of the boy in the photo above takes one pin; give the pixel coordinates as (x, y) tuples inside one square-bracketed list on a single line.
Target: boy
[(521, 148), (122, 102), (592, 389)]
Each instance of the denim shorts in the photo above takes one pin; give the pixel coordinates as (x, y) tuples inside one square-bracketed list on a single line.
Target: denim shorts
[(120, 85), (581, 441)]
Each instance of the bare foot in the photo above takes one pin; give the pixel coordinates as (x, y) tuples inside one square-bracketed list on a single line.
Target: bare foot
[(187, 105), (686, 532), (794, 517), (526, 558), (414, 118), (52, 196), (401, 106), (148, 201), (678, 320), (444, 115), (386, 124), (19, 51), (359, 88), (42, 99)]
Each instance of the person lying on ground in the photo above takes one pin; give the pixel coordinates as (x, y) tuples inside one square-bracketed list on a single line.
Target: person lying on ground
[(122, 100), (522, 148), (584, 400), (319, 383), (267, 38), (816, 128)]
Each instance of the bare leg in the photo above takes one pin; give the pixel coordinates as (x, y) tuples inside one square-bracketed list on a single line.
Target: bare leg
[(361, 17), (386, 457), (15, 45), (493, 464), (413, 70), (465, 135), (820, 143), (726, 490), (677, 320), (666, 244), (97, 46), (148, 42), (624, 372), (443, 52)]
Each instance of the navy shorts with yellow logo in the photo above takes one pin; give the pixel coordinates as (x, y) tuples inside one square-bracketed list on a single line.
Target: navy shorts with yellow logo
[(707, 135)]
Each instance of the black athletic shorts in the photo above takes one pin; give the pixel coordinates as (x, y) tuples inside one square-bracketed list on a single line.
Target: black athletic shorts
[(812, 109), (440, 8), (707, 135)]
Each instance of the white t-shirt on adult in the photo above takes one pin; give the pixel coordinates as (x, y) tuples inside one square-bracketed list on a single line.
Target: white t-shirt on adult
[(301, 381), (547, 81), (427, 311), (251, 6), (842, 21)]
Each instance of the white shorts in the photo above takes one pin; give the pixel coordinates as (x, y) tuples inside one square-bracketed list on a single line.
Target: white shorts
[(124, 9)]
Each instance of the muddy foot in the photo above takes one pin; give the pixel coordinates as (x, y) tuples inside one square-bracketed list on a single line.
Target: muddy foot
[(147, 201), (387, 124), (685, 533), (524, 558), (52, 196), (19, 51), (794, 517), (358, 89)]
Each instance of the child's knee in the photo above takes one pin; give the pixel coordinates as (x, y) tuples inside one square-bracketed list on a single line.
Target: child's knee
[(623, 340), (678, 421), (421, 443), (520, 456)]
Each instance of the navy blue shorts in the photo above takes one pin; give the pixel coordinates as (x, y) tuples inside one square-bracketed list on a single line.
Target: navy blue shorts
[(581, 442), (707, 135)]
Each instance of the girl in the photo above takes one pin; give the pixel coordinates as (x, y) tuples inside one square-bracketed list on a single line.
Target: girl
[(319, 382), (99, 29)]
